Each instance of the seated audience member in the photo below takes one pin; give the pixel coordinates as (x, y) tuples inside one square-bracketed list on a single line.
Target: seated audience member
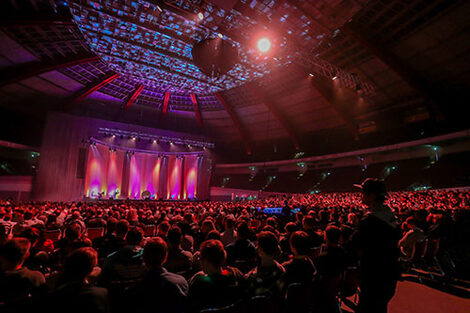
[(285, 240), (300, 269), (159, 291), (230, 234), (73, 292), (177, 260), (17, 282), (73, 239), (201, 236), (213, 234), (308, 225), (331, 266), (412, 236), (114, 242), (267, 279), (216, 286), (242, 253), (126, 264), (162, 230), (332, 258)]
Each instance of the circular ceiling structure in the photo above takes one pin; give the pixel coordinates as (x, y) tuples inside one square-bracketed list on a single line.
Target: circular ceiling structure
[(152, 44)]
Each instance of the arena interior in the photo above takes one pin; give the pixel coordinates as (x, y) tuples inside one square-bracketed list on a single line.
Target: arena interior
[(232, 156)]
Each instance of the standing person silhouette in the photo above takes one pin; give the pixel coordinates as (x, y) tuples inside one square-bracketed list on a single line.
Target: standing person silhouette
[(377, 243)]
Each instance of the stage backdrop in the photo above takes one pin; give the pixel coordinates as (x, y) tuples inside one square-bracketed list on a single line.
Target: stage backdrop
[(71, 170)]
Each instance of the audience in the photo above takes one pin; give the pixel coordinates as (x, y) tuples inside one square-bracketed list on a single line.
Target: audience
[(159, 290), (213, 243)]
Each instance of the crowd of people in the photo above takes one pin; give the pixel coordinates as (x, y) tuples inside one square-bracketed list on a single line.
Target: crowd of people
[(149, 256)]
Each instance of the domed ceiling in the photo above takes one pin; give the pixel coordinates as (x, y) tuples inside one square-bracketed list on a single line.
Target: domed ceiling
[(151, 42)]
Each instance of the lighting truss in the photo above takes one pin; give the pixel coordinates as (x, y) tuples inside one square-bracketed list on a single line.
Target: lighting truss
[(151, 137)]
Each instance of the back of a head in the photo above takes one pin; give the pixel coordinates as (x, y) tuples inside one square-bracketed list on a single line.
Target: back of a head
[(230, 222), (333, 234), (155, 252), (164, 227), (268, 242), (13, 253), (213, 252), (122, 227), (290, 227), (80, 263), (213, 234), (243, 230), (300, 242), (308, 222), (174, 236), (135, 236)]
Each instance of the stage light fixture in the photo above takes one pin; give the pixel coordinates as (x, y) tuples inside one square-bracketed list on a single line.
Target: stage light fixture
[(220, 35), (335, 77), (264, 44), (311, 75), (200, 15)]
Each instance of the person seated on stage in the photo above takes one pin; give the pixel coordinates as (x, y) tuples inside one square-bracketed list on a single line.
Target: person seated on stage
[(215, 286), (242, 253), (159, 290), (18, 284), (300, 269), (268, 277), (73, 292), (229, 236), (177, 260), (126, 264)]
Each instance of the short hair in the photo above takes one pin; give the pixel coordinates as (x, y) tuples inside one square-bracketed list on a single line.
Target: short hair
[(308, 221), (333, 233), (290, 227), (300, 241), (243, 230), (174, 236), (213, 252), (15, 250), (230, 222), (122, 227), (155, 252), (80, 262), (213, 234), (164, 226), (267, 241), (134, 236)]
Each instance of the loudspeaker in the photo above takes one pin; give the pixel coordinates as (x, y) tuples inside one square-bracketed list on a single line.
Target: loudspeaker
[(81, 166)]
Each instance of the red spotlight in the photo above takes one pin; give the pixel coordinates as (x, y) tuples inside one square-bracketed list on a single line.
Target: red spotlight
[(264, 44)]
